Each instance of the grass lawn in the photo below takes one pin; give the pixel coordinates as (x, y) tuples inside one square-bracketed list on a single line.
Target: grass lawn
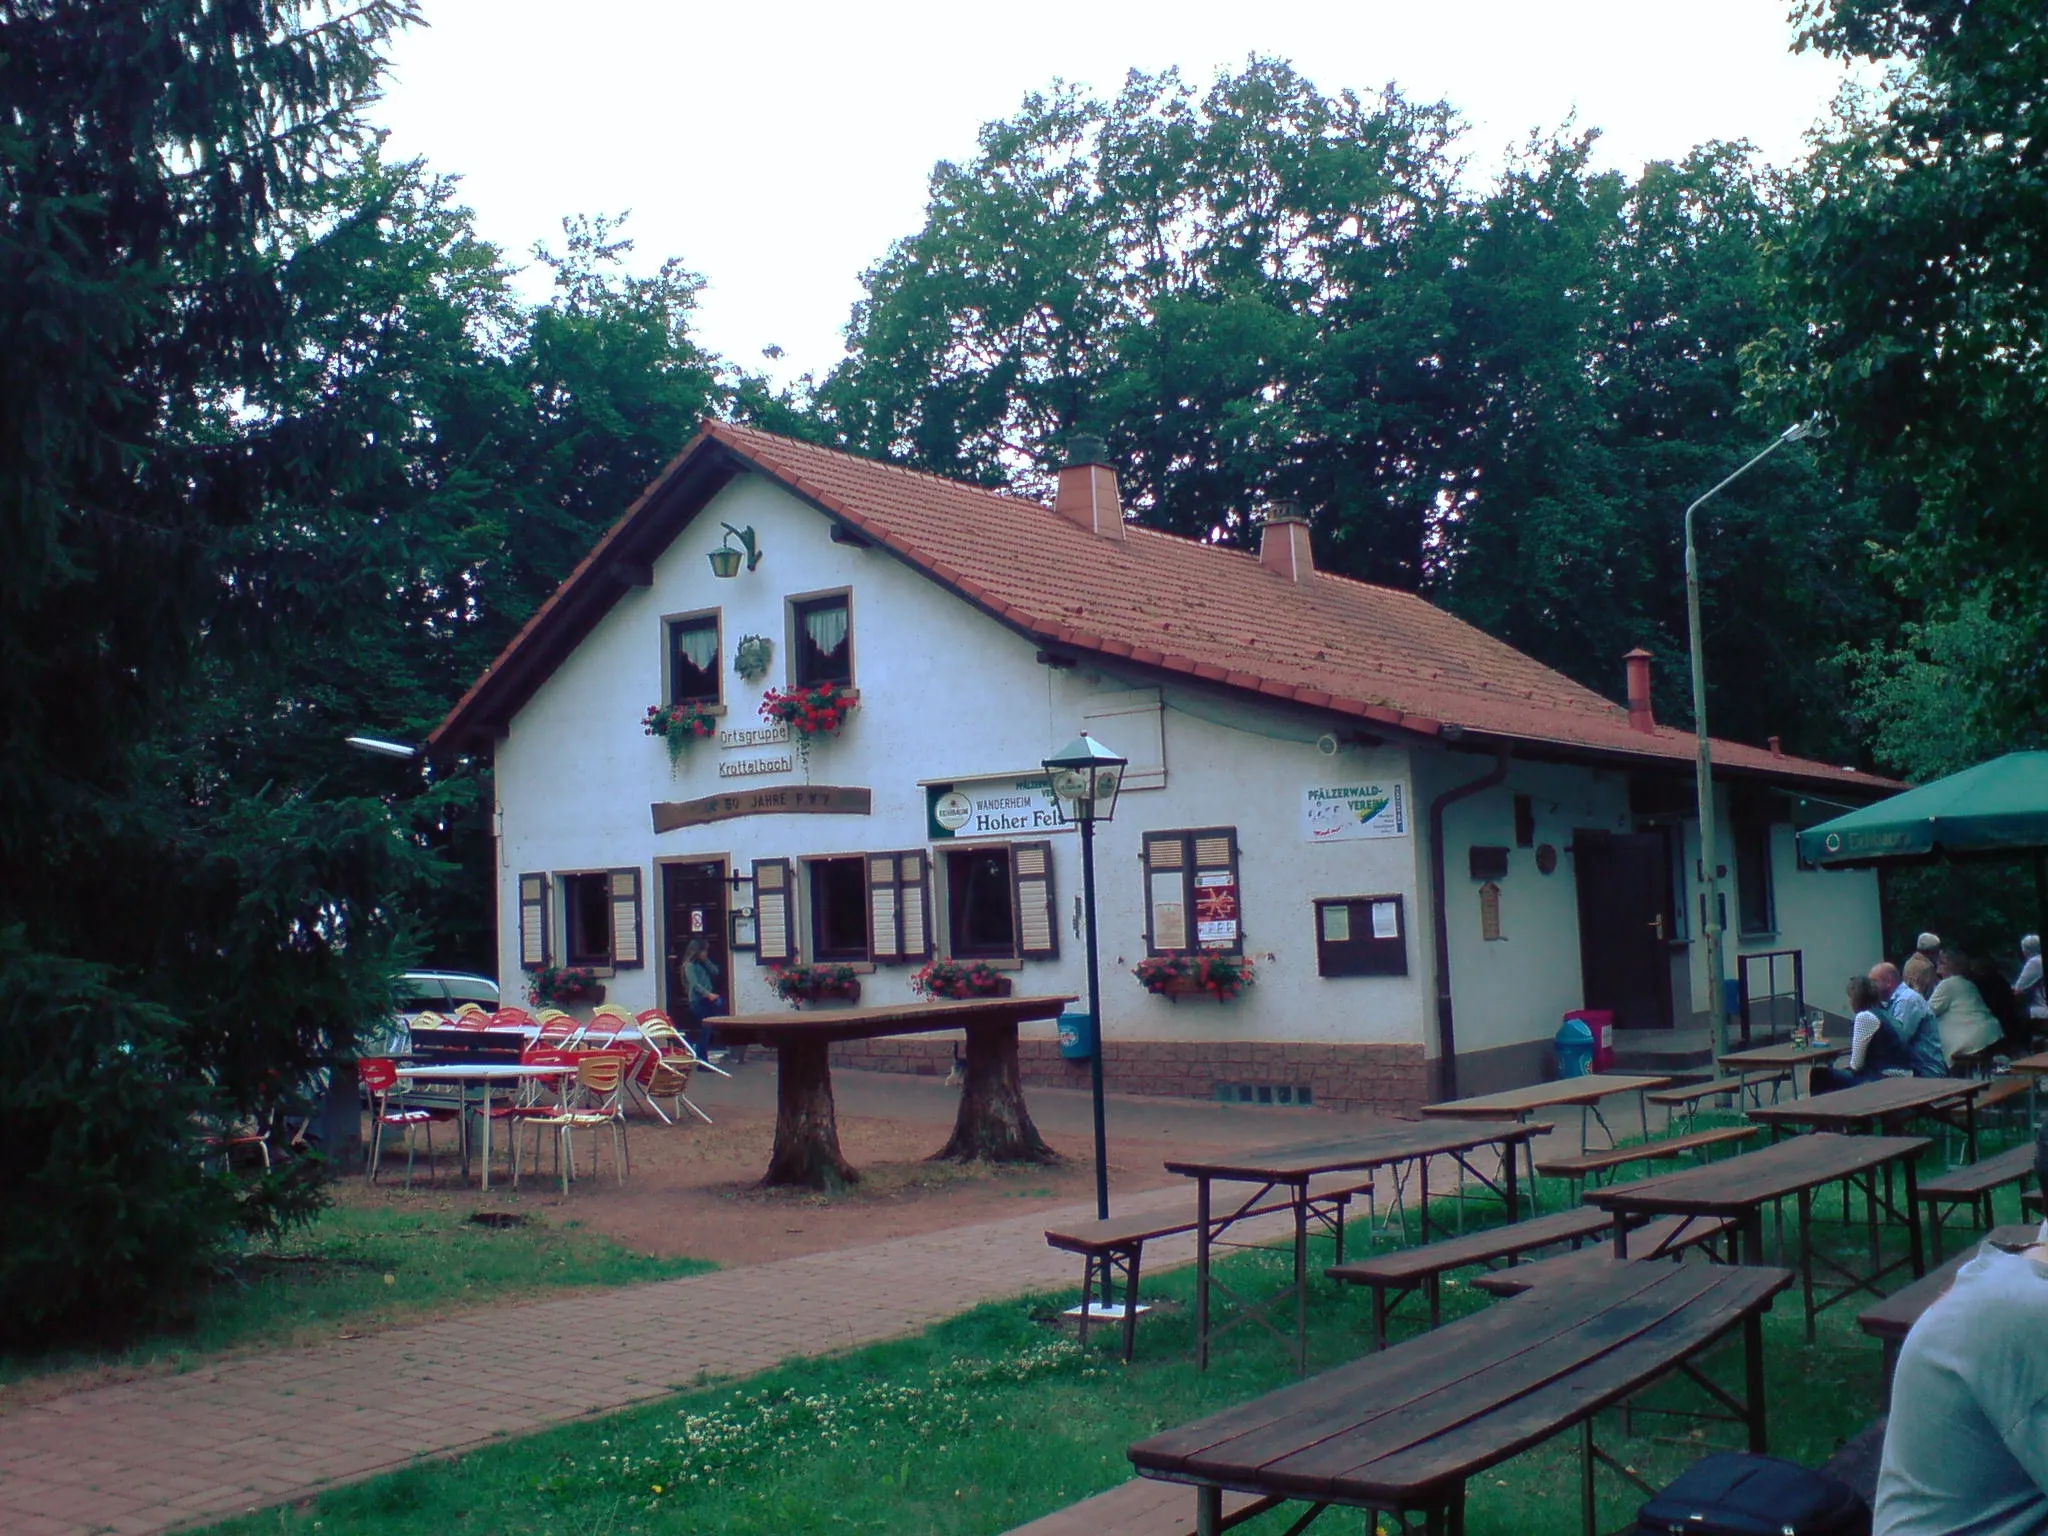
[(996, 1416), (359, 1267)]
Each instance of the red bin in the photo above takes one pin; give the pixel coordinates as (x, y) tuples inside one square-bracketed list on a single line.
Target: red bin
[(1601, 1022)]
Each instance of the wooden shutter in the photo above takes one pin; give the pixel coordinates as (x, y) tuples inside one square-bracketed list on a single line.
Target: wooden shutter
[(533, 921), (899, 907), (1218, 914), (625, 903), (885, 927), (1038, 928), (1168, 929), (913, 885), (773, 917)]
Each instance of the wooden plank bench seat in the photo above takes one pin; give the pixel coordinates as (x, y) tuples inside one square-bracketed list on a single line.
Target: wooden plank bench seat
[(1583, 1165), (1106, 1247), (1673, 1234), (2004, 1090), (1972, 1184), (1140, 1507), (1892, 1318), (1689, 1095), (1394, 1275)]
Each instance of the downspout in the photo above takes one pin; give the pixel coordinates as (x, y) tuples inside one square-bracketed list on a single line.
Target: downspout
[(1446, 1031)]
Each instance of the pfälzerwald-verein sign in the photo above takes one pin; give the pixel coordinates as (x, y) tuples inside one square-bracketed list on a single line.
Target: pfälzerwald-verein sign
[(1336, 813)]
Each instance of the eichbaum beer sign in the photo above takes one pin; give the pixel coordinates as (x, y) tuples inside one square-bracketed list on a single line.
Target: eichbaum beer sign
[(1018, 805)]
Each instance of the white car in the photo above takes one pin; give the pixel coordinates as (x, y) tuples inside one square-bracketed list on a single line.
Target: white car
[(421, 992)]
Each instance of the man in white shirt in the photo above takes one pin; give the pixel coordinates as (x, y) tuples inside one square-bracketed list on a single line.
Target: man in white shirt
[(1966, 1449)]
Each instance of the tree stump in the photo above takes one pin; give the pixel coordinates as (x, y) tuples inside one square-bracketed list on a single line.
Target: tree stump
[(806, 1123), (993, 1125)]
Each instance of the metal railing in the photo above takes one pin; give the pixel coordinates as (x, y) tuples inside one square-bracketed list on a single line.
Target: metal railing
[(1773, 1007)]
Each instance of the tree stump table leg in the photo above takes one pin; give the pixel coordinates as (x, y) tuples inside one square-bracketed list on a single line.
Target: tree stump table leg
[(806, 1123), (993, 1125)]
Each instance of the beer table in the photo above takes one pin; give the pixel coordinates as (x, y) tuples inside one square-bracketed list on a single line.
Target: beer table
[(1290, 1169), (1738, 1188), (1771, 1058), (1868, 1106), (1583, 1093)]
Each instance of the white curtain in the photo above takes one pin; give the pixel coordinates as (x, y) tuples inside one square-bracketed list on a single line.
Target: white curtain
[(827, 628), (699, 645)]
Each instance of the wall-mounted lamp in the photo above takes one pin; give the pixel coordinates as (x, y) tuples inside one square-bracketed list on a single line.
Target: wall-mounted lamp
[(725, 560)]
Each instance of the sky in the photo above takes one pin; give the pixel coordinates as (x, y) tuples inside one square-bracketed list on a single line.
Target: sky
[(779, 149)]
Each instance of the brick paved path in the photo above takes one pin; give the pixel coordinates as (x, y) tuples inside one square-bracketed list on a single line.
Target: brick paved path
[(186, 1450)]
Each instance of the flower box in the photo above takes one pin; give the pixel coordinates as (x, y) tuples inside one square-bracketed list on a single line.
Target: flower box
[(559, 986), (816, 711), (1219, 974), (678, 725), (799, 984), (957, 981)]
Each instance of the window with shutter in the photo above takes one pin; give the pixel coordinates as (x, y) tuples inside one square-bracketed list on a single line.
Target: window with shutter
[(773, 937), (1192, 899), (533, 921), (625, 884), (899, 925), (885, 929), (1038, 929)]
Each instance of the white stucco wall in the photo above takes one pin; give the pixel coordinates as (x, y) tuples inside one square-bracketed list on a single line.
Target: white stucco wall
[(1518, 988), (946, 693)]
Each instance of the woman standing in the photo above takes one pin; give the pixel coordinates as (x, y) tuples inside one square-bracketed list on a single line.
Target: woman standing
[(700, 976)]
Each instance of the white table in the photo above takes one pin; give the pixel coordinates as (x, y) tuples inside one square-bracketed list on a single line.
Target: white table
[(484, 1074)]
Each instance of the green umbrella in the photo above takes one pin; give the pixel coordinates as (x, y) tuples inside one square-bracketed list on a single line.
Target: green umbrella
[(1999, 808)]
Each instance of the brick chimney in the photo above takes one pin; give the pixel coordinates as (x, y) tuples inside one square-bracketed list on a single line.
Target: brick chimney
[(1777, 747), (1087, 490), (1284, 543), (1639, 716)]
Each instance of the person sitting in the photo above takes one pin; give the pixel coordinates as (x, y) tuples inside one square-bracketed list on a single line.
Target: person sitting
[(1928, 948), (1912, 1018), (2030, 987), (1921, 974), (1966, 1448), (1875, 1048), (1965, 1021)]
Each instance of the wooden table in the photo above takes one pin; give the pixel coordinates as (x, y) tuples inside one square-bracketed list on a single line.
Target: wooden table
[(1292, 1168), (1584, 1093), (1738, 1189), (1773, 1057), (1404, 1429), (1867, 1106), (993, 1124)]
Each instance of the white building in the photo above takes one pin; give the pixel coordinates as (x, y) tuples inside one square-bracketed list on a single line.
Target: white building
[(1431, 846)]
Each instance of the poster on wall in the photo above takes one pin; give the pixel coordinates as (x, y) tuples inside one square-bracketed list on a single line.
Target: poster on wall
[(1216, 910), (1169, 912), (1337, 813)]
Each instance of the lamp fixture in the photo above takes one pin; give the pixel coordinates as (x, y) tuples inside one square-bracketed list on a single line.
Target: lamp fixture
[(725, 560), (1085, 776)]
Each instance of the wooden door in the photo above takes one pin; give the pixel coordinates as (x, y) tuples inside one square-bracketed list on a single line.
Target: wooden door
[(1625, 925), (693, 898)]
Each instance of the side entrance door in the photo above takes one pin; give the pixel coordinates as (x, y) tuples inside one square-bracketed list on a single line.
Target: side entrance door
[(693, 907), (1624, 888)]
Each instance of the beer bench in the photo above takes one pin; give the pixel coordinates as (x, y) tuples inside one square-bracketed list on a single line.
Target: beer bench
[(1690, 1095), (1972, 1184), (1580, 1167), (1396, 1275), (1666, 1238), (1891, 1319), (1117, 1246)]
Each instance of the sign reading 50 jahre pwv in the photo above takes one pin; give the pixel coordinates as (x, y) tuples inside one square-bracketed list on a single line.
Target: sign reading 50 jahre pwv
[(1338, 813)]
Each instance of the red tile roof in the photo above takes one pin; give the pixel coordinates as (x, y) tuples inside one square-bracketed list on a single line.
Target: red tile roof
[(1157, 600)]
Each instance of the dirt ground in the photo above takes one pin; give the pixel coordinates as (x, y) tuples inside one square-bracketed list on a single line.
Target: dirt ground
[(694, 1188)]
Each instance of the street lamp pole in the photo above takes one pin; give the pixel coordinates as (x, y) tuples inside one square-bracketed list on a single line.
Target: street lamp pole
[(1085, 777), (1703, 765)]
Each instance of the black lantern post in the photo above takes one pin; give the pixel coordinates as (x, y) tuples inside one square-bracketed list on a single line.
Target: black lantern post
[(1085, 779)]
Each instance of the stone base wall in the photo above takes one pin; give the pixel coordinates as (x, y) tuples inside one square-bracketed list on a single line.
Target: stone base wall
[(1385, 1078)]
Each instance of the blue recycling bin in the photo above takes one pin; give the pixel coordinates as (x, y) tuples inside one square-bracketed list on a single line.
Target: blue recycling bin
[(1077, 1036), (1574, 1046)]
